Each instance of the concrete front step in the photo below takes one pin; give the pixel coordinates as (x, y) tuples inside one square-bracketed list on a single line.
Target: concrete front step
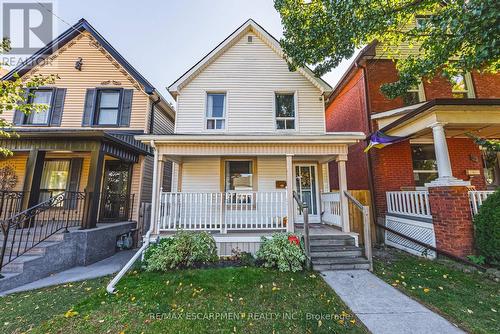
[(17, 265), (338, 253), (39, 248), (339, 260), (55, 237), (332, 242), (341, 266)]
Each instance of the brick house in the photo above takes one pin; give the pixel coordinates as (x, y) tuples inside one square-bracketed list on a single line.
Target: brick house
[(436, 159)]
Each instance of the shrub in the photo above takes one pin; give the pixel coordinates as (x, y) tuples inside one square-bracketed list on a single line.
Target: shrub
[(282, 251), (183, 250), (487, 229)]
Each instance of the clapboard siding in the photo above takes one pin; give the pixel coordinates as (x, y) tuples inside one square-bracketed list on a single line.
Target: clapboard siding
[(18, 163), (162, 124), (270, 170), (250, 74), (201, 174), (99, 70)]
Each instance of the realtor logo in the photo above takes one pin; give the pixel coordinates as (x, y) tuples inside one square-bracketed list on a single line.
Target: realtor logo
[(27, 25)]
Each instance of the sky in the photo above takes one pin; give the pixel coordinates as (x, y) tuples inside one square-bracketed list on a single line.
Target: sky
[(163, 39)]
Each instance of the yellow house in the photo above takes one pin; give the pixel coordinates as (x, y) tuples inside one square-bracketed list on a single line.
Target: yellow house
[(83, 144)]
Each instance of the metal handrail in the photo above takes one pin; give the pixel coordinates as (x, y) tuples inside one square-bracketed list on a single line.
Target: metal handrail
[(36, 224), (366, 227), (304, 208)]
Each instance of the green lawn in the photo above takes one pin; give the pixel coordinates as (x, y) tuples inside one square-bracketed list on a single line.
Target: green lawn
[(469, 300), (242, 300)]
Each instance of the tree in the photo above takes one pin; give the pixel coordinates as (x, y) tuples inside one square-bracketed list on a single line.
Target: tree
[(324, 32), (13, 96)]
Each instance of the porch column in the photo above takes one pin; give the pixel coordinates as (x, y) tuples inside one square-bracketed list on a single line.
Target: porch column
[(344, 204), (32, 178), (93, 189), (156, 188), (289, 193), (443, 159)]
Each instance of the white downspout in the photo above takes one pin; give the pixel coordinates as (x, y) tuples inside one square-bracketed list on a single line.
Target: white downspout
[(111, 286)]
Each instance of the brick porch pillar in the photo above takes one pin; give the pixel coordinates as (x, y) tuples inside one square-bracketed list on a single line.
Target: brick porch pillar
[(451, 215)]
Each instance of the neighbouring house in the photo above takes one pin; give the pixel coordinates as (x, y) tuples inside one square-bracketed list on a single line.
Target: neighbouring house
[(77, 163), (429, 183), (248, 133)]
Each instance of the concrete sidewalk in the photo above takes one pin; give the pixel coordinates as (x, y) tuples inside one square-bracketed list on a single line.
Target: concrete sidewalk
[(382, 308), (104, 267)]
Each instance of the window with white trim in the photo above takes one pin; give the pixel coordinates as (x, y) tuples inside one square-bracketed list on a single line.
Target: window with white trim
[(412, 96), (216, 111), (461, 86), (285, 111), (424, 164)]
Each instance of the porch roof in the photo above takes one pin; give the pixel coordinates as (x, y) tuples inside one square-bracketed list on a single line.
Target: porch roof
[(480, 116), (329, 144)]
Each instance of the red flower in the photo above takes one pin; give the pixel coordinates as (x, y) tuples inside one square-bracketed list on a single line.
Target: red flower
[(294, 240)]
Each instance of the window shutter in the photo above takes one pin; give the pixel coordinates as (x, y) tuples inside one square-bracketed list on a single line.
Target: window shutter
[(126, 108), (74, 181), (18, 114), (89, 107), (57, 109)]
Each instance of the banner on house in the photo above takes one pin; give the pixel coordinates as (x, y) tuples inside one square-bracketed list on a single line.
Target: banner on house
[(380, 140)]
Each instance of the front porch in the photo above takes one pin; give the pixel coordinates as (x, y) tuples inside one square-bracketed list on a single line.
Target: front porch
[(243, 185)]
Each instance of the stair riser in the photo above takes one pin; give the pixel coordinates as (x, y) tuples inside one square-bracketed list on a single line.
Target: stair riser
[(13, 268), (55, 237), (336, 254), (332, 242), (34, 251), (324, 267)]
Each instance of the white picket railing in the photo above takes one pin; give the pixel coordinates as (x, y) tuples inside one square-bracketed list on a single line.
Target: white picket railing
[(223, 211), (409, 203), (477, 197), (331, 208)]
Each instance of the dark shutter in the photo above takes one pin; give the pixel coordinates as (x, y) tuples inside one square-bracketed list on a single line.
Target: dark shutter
[(74, 181), (57, 110), (18, 114), (88, 111), (126, 107)]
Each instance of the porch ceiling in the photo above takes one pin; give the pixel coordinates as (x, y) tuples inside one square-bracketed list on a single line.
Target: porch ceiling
[(483, 120), (245, 145)]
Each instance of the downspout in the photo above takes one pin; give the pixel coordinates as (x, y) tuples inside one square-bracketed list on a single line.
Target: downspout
[(111, 286), (152, 115), (369, 162)]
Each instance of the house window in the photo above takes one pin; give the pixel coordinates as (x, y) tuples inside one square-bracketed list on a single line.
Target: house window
[(461, 86), (107, 107), (285, 111), (55, 176), (239, 175), (424, 164), (412, 96), (216, 111), (39, 97), (422, 21)]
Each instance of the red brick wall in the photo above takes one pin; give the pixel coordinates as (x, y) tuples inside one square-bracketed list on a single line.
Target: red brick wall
[(348, 113), (465, 154), (393, 169), (451, 217), (486, 85), (380, 72)]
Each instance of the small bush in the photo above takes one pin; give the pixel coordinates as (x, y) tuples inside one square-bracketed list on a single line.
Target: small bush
[(487, 229), (183, 250), (282, 251)]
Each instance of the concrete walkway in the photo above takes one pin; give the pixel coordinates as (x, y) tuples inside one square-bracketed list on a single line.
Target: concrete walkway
[(104, 267), (382, 308)]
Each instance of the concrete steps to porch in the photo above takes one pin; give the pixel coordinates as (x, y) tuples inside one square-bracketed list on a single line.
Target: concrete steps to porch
[(336, 252)]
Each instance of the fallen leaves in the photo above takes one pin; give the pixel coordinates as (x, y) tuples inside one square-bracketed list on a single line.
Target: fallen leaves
[(70, 313)]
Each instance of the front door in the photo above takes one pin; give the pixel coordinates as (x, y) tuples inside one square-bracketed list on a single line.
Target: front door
[(306, 186), (115, 196)]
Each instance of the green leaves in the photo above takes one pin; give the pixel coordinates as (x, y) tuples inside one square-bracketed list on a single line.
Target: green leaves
[(451, 37)]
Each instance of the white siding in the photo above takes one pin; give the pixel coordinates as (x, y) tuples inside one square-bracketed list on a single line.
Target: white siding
[(201, 174), (270, 170), (250, 74)]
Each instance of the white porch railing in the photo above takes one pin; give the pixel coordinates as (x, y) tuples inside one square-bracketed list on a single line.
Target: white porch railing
[(409, 203), (331, 208), (223, 211), (477, 197)]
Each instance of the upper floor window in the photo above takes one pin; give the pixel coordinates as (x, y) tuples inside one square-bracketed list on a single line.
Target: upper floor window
[(107, 107), (414, 95), (461, 86), (216, 111), (285, 111), (422, 21), (40, 97)]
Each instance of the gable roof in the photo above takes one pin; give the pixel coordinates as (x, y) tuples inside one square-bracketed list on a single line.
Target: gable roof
[(66, 37), (249, 25)]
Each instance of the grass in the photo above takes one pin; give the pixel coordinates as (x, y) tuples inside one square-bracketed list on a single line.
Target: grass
[(470, 300), (242, 300)]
